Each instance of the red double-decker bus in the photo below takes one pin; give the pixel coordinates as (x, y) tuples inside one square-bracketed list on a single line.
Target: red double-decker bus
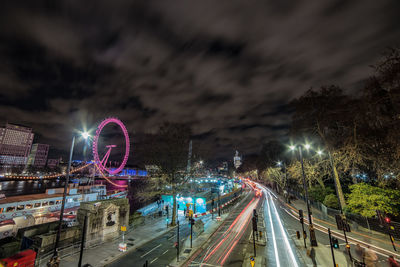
[(25, 258)]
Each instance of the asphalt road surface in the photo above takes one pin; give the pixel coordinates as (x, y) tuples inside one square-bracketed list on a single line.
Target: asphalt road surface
[(225, 240)]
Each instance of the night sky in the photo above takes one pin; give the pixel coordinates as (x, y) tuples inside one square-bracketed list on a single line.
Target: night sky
[(228, 68)]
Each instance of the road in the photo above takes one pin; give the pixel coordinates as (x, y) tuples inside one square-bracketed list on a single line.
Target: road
[(223, 243), (160, 251), (291, 224), (280, 250)]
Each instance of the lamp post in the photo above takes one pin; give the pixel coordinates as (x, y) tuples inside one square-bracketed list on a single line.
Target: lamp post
[(85, 135), (313, 239)]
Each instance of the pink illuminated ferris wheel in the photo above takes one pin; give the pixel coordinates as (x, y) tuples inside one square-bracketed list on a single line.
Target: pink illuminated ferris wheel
[(103, 162)]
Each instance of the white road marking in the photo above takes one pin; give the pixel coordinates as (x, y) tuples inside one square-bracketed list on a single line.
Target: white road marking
[(154, 260), (150, 251), (165, 252), (273, 235)]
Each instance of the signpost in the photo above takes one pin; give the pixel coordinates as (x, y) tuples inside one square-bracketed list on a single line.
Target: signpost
[(252, 261), (330, 242), (122, 246)]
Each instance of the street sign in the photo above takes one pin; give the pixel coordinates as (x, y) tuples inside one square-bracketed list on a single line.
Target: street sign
[(122, 247), (123, 228), (252, 261), (190, 213)]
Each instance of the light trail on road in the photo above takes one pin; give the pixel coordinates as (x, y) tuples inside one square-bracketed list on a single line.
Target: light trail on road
[(274, 217), (273, 233), (230, 233)]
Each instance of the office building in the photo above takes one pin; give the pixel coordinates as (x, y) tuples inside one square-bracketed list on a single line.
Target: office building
[(15, 145), (38, 155)]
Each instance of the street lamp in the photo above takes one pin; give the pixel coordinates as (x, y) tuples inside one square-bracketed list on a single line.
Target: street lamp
[(85, 135), (313, 238)]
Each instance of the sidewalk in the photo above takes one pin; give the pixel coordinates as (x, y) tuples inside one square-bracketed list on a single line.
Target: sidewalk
[(323, 254), (361, 234), (107, 252)]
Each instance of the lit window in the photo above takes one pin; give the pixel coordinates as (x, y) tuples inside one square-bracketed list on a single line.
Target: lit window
[(20, 207), (45, 203), (28, 206)]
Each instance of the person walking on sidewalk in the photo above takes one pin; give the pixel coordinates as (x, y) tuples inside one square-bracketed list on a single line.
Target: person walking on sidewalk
[(360, 253), (392, 262), (370, 257), (312, 256)]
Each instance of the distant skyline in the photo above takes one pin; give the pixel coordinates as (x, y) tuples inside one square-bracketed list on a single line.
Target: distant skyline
[(227, 68)]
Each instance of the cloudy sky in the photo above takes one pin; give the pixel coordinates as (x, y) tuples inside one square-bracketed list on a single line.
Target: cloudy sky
[(227, 67)]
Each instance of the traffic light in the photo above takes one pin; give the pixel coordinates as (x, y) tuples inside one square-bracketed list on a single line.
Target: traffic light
[(387, 219), (301, 216), (335, 242), (298, 234)]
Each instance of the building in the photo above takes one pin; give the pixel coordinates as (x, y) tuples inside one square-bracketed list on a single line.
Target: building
[(237, 160), (38, 155), (15, 145), (52, 163)]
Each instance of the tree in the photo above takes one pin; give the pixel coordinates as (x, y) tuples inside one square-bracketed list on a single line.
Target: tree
[(319, 193), (271, 152), (365, 199), (168, 149), (324, 115), (274, 175), (315, 172), (331, 201)]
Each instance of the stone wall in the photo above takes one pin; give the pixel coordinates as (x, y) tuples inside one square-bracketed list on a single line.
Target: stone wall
[(105, 218)]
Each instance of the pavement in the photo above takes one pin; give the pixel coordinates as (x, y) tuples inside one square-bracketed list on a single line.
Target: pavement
[(108, 252)]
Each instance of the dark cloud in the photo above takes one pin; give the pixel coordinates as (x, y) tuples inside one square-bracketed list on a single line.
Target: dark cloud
[(228, 68)]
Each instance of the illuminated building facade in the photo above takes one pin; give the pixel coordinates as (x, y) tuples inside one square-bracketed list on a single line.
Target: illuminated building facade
[(15, 145), (38, 155)]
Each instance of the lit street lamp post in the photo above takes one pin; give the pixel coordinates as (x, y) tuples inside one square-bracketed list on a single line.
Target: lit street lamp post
[(85, 136), (313, 238)]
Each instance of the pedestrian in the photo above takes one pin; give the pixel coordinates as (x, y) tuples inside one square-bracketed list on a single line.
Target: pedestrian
[(393, 262), (184, 212), (370, 257), (360, 253), (312, 256)]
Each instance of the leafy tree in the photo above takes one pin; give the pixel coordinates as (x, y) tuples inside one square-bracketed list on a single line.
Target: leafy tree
[(331, 201), (318, 193), (365, 199)]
